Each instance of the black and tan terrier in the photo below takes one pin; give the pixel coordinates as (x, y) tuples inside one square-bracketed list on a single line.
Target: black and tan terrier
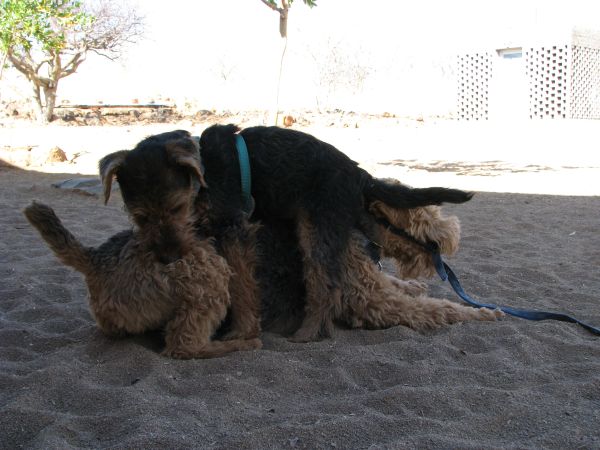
[(321, 194), (160, 274)]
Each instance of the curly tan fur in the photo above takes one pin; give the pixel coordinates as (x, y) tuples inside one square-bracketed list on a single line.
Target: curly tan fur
[(131, 292), (424, 224), (394, 301), (163, 273), (372, 299)]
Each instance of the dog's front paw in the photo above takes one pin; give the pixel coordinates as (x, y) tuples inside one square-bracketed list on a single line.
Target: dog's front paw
[(251, 344), (177, 353)]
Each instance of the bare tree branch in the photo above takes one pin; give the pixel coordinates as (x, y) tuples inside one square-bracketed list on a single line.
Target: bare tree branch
[(73, 64), (271, 5), (112, 30)]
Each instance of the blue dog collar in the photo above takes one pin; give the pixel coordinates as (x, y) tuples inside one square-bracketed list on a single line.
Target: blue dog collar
[(245, 175)]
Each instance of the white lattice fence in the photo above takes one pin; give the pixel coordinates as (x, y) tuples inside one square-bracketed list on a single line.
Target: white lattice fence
[(585, 90), (474, 74), (548, 72)]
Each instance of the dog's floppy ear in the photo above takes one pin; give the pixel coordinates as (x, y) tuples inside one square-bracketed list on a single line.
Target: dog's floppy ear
[(108, 166), (185, 152)]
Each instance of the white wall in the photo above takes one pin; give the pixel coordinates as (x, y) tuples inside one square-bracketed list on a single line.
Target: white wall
[(359, 55)]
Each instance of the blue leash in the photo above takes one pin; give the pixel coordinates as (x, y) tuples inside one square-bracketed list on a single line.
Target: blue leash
[(447, 274)]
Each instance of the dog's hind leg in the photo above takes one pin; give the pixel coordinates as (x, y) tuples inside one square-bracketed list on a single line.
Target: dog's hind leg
[(372, 299), (211, 349), (188, 334), (387, 309), (238, 247), (322, 242)]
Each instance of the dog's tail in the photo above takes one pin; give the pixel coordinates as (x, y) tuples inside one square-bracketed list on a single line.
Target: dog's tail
[(64, 245), (398, 195)]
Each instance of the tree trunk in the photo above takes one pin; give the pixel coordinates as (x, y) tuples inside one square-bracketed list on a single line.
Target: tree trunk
[(39, 107), (283, 20), (44, 106), (50, 97), (51, 86), (44, 87)]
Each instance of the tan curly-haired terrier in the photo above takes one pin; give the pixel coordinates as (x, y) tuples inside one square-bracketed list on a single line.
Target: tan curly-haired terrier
[(160, 274), (374, 299), (370, 297)]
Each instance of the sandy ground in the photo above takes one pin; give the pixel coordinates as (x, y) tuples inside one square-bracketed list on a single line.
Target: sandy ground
[(543, 157), (531, 241)]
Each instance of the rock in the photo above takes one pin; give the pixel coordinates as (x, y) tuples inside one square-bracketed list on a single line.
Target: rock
[(56, 154), (288, 121), (202, 114), (69, 116)]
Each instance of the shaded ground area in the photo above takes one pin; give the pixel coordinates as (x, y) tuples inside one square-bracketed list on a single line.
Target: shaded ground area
[(509, 384)]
